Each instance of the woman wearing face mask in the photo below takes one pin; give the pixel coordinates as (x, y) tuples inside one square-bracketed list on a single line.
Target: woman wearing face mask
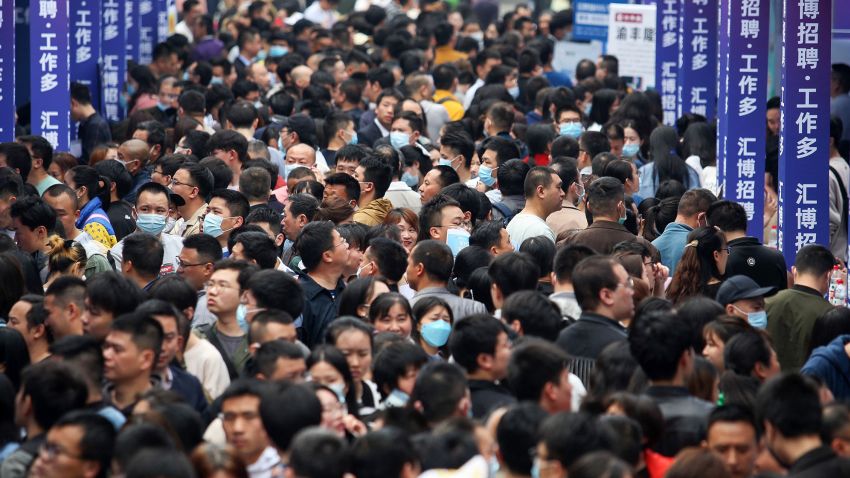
[(627, 173), (703, 264), (391, 312), (141, 89), (353, 338), (633, 144), (665, 163), (432, 326), (92, 199), (327, 366), (358, 295)]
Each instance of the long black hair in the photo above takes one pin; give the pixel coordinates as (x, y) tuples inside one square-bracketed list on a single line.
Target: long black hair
[(97, 186), (664, 153)]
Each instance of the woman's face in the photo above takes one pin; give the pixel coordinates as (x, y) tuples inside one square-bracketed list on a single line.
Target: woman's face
[(327, 375), (396, 320), (631, 136), (408, 235), (332, 412), (436, 313), (357, 349), (720, 257), (55, 171), (713, 350)]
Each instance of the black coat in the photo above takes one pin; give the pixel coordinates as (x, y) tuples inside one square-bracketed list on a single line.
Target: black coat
[(590, 334)]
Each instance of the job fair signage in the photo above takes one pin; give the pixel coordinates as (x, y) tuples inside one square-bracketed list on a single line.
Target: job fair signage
[(697, 85), (49, 72), (667, 58), (743, 48), (631, 38), (7, 70), (804, 129)]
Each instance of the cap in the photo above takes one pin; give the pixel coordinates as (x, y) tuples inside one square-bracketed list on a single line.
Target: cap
[(740, 287), (302, 125)]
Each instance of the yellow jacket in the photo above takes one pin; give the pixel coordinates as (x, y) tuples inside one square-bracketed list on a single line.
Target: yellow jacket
[(374, 212), (453, 106)]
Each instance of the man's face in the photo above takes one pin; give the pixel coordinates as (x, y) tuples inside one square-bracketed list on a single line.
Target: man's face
[(96, 320), (150, 202), (365, 186), (169, 93), (289, 369), (65, 211), (29, 240), (490, 159), (430, 186), (452, 217), (18, 318), (276, 331), (554, 195), (122, 359), (132, 165), (504, 242), (183, 185), (735, 443), (623, 305), (488, 65), (243, 427), (403, 126), (193, 268), (171, 340), (59, 316), (60, 455), (501, 356), (300, 156), (740, 308), (335, 191), (773, 121), (291, 224), (219, 207), (339, 249), (384, 111), (223, 291), (347, 167), (563, 392), (260, 76)]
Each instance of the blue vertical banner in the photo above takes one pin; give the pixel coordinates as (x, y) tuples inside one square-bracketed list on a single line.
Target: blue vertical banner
[(7, 70), (667, 16), (161, 20), (697, 88), (148, 31), (131, 23), (22, 51), (50, 77), (743, 44), (723, 35), (85, 48), (804, 128), (113, 59)]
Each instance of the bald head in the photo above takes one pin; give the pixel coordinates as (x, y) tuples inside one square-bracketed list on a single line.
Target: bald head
[(301, 76), (301, 154), (134, 150)]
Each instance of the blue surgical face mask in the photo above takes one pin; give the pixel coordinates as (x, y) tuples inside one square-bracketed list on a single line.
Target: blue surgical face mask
[(212, 225), (261, 55), (185, 76), (339, 390), (587, 107), (436, 333), (216, 80), (162, 107), (398, 398), (573, 130), (756, 319), (514, 92), (131, 89), (535, 469), (494, 466), (258, 104), (446, 162), (630, 149), (399, 139), (242, 317), (277, 51), (622, 219), (288, 168), (485, 175), (151, 223), (410, 180), (353, 138)]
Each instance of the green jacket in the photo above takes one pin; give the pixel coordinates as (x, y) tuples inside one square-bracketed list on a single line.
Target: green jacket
[(791, 314), (235, 363)]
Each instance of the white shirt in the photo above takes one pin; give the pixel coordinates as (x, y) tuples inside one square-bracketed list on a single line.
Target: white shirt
[(384, 131), (170, 243), (525, 225), (401, 195), (470, 93), (315, 14), (204, 361)]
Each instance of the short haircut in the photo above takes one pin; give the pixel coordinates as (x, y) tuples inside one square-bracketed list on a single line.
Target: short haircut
[(472, 336), (461, 142), (235, 201), (113, 292), (156, 134), (814, 259), (440, 386), (318, 452), (657, 341), (153, 188), (259, 247), (55, 389), (590, 276), (34, 212), (436, 259), (603, 195), (505, 149), (513, 272), (303, 410), (413, 119), (444, 75), (729, 216), (145, 252), (790, 403), (265, 215), (208, 248), (352, 187), (501, 114), (174, 290), (695, 201), (511, 176), (115, 171), (84, 352), (17, 157), (80, 93), (487, 234), (566, 260), (539, 316), (265, 317), (313, 241), (265, 360), (303, 204), (594, 143), (66, 289), (390, 257), (273, 289), (382, 453), (447, 175), (394, 362), (41, 149), (536, 177), (378, 173), (517, 433), (229, 140), (241, 114), (98, 437), (734, 413), (836, 419), (534, 364), (255, 184), (145, 332), (569, 436)]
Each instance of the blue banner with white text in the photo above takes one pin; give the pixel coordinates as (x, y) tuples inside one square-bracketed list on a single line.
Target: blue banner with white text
[(85, 48), (697, 87), (7, 70), (667, 58), (50, 78), (113, 59)]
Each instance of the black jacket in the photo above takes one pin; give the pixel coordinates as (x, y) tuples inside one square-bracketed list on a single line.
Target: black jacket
[(487, 396), (590, 334), (760, 263), (369, 135), (820, 463), (685, 418)]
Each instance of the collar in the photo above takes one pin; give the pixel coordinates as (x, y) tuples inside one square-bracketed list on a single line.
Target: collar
[(667, 391), (399, 186), (811, 459), (432, 290), (312, 288), (601, 319), (806, 290), (384, 131), (746, 240), (268, 460), (244, 60), (603, 224)]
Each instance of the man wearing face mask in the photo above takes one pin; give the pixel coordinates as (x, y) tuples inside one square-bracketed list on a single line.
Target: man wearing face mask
[(226, 212), (456, 150), (151, 212), (690, 215), (606, 203), (743, 298), (568, 218), (168, 92)]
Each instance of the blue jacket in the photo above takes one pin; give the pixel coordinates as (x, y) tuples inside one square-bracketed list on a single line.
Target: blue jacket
[(648, 181), (831, 364), (671, 244)]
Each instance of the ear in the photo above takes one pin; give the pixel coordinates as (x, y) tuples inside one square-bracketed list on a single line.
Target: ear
[(238, 222), (189, 312), (147, 359), (730, 310), (484, 361), (91, 468), (434, 232), (38, 331), (516, 326), (415, 136)]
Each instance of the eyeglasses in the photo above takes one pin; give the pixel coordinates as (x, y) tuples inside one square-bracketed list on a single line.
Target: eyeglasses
[(629, 284), (728, 249), (51, 450), (343, 241), (175, 182), (181, 263)]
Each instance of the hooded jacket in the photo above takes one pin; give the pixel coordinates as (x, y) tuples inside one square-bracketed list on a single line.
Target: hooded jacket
[(831, 364)]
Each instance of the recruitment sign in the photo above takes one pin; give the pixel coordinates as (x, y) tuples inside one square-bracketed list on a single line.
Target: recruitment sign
[(7, 70), (697, 86), (667, 58), (50, 78), (113, 59)]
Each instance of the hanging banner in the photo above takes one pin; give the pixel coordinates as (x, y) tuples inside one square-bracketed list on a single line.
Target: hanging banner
[(131, 25), (7, 70), (50, 79), (698, 58), (113, 59), (667, 58), (161, 20), (631, 38), (85, 49), (743, 47), (148, 30), (804, 129), (590, 20)]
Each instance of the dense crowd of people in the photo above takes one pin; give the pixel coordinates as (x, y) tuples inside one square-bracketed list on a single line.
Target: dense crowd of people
[(397, 242)]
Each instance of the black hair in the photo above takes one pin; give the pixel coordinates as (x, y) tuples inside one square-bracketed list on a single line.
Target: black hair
[(393, 363), (34, 212), (97, 186), (542, 251), (17, 157), (513, 272), (517, 433), (657, 340), (390, 257), (382, 453), (790, 403), (511, 176), (159, 463), (569, 436), (378, 173), (698, 311), (14, 354), (146, 333), (538, 316), (534, 364), (313, 241), (266, 357), (814, 259), (98, 437), (603, 195), (354, 295), (439, 388), (333, 357), (207, 246), (436, 259), (746, 349), (258, 246), (174, 290), (114, 292), (469, 259), (487, 234), (55, 389), (319, 453), (736, 414), (472, 336), (460, 142), (729, 216), (229, 140), (235, 201), (145, 252)]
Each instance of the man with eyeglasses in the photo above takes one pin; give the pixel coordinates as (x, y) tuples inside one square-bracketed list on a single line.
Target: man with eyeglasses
[(228, 332), (195, 265), (324, 255), (79, 445), (193, 183), (604, 291)]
